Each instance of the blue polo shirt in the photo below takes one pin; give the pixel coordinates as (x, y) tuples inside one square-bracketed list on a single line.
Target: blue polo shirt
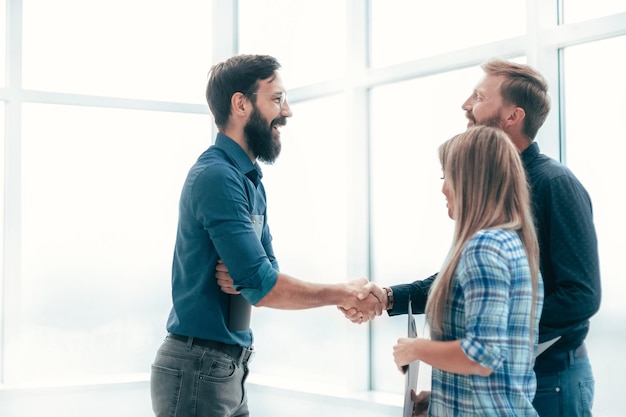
[(222, 215)]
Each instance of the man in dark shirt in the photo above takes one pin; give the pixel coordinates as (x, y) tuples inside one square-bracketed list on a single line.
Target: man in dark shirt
[(202, 364), (514, 98)]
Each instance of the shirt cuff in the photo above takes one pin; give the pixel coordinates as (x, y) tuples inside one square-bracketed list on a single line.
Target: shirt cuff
[(267, 277), (487, 357)]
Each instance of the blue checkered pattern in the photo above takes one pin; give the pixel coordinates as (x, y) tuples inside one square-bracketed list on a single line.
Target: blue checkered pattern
[(490, 314)]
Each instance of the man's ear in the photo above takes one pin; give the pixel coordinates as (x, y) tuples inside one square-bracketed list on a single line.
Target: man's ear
[(516, 117), (239, 103)]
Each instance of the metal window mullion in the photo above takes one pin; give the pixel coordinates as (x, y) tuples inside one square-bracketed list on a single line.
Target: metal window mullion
[(12, 256)]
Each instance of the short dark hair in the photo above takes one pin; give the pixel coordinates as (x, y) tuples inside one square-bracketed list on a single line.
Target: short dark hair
[(239, 73), (524, 87)]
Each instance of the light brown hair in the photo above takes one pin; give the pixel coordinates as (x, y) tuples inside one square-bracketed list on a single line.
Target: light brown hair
[(523, 87), (489, 190)]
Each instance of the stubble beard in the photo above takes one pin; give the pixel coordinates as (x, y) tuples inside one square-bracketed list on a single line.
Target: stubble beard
[(493, 121)]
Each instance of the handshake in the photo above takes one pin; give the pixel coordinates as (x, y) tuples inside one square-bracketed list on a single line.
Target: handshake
[(359, 300), (371, 301)]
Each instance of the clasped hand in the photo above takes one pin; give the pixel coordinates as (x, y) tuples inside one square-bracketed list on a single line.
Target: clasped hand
[(362, 305), (368, 290)]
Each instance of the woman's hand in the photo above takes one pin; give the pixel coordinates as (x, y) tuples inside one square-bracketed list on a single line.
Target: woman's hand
[(405, 352)]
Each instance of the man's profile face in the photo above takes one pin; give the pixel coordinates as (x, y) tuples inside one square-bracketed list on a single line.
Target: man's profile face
[(485, 106)]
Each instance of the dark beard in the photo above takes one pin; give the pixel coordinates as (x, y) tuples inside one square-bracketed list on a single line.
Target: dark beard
[(260, 137)]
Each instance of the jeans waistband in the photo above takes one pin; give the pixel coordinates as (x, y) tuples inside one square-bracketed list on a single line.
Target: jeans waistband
[(558, 361), (238, 353)]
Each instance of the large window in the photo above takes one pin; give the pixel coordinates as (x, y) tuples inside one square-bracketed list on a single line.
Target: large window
[(308, 196), (104, 118), (581, 10), (3, 146), (594, 108), (104, 112), (310, 191), (406, 80), (2, 42), (308, 38), (145, 49), (411, 231), (405, 30), (99, 207)]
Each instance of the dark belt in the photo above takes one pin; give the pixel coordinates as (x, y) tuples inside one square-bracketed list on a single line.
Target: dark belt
[(558, 361), (238, 353)]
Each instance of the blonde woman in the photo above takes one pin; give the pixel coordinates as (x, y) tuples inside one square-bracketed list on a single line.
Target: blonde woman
[(484, 306)]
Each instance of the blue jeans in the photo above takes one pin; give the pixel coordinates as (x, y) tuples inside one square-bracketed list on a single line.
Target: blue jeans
[(565, 392), (196, 381)]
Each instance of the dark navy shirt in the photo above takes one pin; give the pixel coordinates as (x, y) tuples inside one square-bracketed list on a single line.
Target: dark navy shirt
[(222, 215), (568, 250)]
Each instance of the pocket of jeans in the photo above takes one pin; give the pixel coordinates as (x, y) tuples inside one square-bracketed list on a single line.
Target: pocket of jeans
[(586, 395), (219, 370), (547, 399), (165, 385)]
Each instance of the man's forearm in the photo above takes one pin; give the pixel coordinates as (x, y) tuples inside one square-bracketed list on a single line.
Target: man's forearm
[(293, 294)]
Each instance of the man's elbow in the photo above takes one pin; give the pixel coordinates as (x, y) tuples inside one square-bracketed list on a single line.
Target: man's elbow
[(262, 302), (268, 300), (271, 298)]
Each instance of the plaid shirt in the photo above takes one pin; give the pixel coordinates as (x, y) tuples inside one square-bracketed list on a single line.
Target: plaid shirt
[(490, 313)]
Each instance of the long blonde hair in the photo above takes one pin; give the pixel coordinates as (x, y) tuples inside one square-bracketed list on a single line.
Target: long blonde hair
[(489, 190)]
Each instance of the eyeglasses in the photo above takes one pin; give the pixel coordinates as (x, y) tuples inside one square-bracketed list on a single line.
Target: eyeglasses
[(281, 97)]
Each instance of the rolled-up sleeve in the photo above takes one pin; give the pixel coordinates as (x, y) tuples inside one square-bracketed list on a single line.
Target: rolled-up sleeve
[(267, 277), (485, 282), (225, 201)]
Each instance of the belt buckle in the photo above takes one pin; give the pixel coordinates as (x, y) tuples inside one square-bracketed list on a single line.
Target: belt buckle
[(247, 354)]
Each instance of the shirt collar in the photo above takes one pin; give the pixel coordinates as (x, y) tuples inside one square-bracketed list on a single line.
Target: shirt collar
[(239, 157), (530, 153)]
